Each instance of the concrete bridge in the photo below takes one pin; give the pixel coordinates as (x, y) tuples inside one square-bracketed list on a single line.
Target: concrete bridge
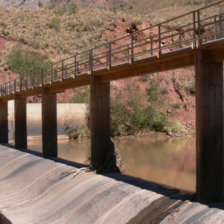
[(198, 42)]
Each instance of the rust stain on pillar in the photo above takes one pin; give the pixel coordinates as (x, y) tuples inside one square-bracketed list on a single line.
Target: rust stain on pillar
[(20, 123), (49, 124), (3, 122), (209, 128)]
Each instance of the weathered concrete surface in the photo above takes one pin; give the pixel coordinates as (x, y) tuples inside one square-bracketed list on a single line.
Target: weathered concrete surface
[(36, 190)]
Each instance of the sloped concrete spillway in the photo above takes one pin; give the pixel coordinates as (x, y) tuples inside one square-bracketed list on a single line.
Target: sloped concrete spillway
[(36, 190)]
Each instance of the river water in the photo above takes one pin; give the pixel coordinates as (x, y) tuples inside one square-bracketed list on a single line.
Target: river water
[(170, 162)]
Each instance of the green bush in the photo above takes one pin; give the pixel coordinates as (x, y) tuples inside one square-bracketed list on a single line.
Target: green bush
[(27, 63), (55, 23), (176, 106), (158, 121), (85, 28), (153, 93), (73, 8)]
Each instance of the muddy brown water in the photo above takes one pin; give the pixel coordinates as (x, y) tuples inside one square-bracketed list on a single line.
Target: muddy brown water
[(170, 162)]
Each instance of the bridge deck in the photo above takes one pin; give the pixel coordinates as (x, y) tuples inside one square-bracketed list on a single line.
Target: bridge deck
[(38, 190)]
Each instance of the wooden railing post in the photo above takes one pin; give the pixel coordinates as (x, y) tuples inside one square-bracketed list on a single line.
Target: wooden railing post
[(199, 28), (180, 39), (132, 49), (75, 63), (15, 86), (160, 41), (91, 61), (20, 84), (51, 72), (220, 26), (151, 45), (42, 76), (109, 56), (194, 27), (62, 69)]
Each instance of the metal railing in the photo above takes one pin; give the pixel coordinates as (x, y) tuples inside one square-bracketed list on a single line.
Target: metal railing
[(190, 30)]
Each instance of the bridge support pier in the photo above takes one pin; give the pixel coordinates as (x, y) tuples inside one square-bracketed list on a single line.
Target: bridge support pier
[(20, 123), (103, 157), (49, 124), (3, 122), (209, 129)]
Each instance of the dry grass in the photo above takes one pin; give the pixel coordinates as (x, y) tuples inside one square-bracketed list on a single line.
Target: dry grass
[(58, 33)]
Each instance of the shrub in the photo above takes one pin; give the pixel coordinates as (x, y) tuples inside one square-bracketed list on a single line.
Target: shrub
[(164, 91), (27, 63), (55, 23), (85, 28), (191, 89), (158, 121), (153, 93), (73, 9), (176, 106)]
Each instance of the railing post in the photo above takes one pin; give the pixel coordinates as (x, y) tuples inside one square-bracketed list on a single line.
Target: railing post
[(132, 49), (62, 69), (199, 28), (51, 72), (20, 84), (160, 41), (42, 76), (180, 39), (75, 61), (91, 61), (220, 26), (109, 56), (26, 82), (77, 67), (194, 27), (15, 86), (151, 45), (128, 47)]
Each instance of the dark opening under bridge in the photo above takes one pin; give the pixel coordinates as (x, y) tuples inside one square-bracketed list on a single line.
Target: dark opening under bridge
[(194, 39)]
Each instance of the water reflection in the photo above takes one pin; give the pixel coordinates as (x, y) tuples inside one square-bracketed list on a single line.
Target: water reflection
[(167, 162)]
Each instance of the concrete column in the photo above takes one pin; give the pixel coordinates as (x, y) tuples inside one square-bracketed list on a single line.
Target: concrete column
[(103, 158), (3, 122), (49, 124), (209, 129), (20, 123)]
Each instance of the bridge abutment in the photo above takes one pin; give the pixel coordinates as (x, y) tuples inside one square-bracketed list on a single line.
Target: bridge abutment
[(4, 122), (20, 123), (103, 156), (209, 128), (49, 124)]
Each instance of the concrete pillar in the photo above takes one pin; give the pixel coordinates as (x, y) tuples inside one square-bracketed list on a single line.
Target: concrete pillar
[(209, 129), (3, 122), (49, 124), (20, 123), (103, 158)]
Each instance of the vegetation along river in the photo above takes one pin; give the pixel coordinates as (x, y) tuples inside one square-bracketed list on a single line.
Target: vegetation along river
[(169, 162)]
